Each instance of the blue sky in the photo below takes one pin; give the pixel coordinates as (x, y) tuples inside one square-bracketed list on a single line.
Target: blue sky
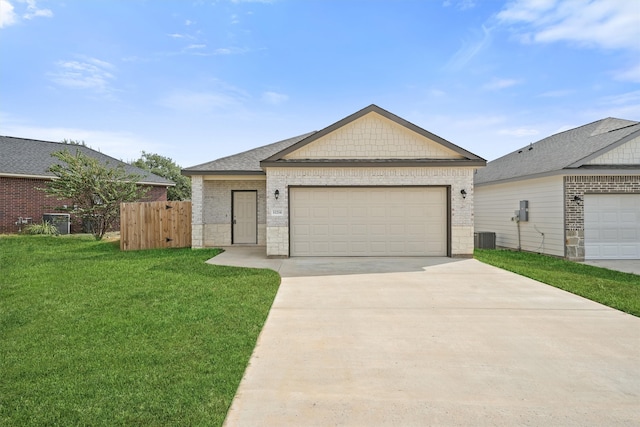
[(198, 80)]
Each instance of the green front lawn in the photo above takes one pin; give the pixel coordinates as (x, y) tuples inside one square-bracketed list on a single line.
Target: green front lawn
[(612, 288), (90, 335)]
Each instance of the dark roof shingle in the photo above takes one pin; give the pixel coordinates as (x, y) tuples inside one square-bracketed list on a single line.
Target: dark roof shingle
[(245, 162), (30, 157), (568, 149)]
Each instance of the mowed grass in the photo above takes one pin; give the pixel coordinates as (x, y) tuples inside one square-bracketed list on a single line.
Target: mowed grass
[(612, 288), (90, 335)]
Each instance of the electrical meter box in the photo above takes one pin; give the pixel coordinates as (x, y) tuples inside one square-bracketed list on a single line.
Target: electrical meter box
[(523, 214)]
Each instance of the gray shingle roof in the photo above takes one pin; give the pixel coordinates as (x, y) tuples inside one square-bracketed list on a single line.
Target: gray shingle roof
[(30, 157), (564, 150), (245, 162)]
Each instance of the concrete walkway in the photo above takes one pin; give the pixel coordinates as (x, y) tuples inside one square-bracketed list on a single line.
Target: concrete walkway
[(434, 342)]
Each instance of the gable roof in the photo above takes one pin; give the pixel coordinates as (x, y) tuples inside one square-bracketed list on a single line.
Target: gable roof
[(22, 157), (252, 162), (566, 150), (278, 158)]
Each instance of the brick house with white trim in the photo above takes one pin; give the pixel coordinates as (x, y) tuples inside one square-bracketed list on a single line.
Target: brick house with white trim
[(24, 170)]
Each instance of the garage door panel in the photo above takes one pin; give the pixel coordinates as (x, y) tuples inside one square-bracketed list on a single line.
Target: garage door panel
[(339, 212), (301, 212), (378, 212), (358, 230), (340, 246), (369, 221), (339, 230), (612, 226), (358, 212)]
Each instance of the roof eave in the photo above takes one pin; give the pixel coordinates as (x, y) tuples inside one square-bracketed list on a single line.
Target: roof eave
[(373, 163), (591, 170), (25, 176), (188, 172)]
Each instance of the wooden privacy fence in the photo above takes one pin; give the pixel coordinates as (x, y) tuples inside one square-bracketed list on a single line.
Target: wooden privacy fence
[(148, 225)]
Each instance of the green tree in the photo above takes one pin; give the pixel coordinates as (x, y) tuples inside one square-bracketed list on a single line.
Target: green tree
[(95, 189), (167, 168)]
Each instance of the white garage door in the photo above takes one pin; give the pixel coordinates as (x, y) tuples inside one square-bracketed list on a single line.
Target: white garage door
[(365, 221), (612, 226)]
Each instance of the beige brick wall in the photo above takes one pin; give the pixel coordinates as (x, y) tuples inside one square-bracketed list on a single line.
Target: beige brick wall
[(457, 178), (211, 210), (626, 154), (373, 137), (197, 222)]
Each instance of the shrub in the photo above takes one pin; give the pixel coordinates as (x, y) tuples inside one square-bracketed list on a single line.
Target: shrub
[(45, 227)]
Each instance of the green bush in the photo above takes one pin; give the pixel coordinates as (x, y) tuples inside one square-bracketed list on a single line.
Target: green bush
[(45, 227)]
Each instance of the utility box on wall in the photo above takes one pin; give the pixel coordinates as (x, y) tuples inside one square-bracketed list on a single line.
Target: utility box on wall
[(523, 214)]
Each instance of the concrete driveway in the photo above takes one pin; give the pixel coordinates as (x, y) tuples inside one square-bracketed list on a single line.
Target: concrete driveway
[(434, 341)]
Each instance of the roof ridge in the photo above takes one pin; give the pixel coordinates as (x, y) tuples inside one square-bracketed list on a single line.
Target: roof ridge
[(42, 140), (557, 134), (623, 127)]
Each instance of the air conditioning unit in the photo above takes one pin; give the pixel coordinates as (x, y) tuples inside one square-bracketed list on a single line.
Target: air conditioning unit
[(61, 221), (484, 240)]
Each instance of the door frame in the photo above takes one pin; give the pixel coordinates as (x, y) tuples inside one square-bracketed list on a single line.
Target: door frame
[(232, 212)]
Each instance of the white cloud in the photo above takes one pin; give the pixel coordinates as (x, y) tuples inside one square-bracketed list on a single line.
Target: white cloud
[(623, 98), (609, 24), (518, 132), (274, 98), (186, 100), (7, 14), (88, 73), (460, 4), (556, 93), (624, 105), (469, 50), (34, 11), (497, 84), (229, 51), (631, 74), (196, 46)]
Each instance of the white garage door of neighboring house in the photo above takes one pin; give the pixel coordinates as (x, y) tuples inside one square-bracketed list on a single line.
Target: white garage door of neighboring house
[(612, 226), (368, 221)]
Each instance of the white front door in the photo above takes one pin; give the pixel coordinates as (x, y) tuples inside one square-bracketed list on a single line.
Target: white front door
[(245, 215)]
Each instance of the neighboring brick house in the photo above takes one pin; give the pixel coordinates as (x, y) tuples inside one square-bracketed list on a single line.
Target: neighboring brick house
[(582, 187), (24, 165), (371, 184)]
